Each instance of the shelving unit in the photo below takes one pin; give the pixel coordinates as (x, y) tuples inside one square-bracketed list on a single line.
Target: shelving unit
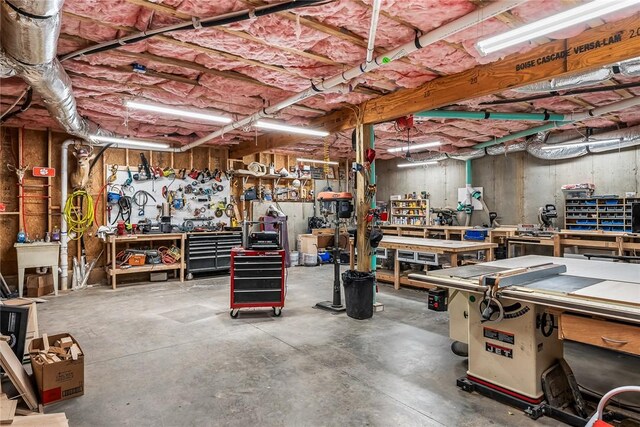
[(113, 269), (409, 212), (605, 214)]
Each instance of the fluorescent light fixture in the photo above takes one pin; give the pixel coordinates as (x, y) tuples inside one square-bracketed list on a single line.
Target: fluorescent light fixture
[(551, 24), (130, 142), (580, 144), (286, 128), (410, 165), (155, 108), (414, 147), (317, 161)]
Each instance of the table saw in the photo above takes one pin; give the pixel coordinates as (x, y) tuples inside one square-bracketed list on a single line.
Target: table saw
[(514, 315)]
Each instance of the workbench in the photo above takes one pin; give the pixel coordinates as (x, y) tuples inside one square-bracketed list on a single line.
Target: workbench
[(446, 232), (620, 243), (537, 302), (451, 248), (113, 270)]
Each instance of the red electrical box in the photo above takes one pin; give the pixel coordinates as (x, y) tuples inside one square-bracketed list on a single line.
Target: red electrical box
[(40, 172), (257, 279)]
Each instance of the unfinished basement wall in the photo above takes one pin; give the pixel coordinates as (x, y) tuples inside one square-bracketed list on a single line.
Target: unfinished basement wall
[(515, 186), (441, 181), (518, 184), (41, 210)]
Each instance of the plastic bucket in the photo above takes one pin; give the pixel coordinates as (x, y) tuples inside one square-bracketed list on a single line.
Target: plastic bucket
[(309, 260), (294, 257)]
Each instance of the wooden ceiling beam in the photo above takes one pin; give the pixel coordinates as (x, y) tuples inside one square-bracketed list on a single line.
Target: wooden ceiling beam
[(513, 71)]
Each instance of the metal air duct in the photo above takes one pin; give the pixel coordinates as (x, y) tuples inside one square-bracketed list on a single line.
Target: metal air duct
[(30, 29), (629, 68)]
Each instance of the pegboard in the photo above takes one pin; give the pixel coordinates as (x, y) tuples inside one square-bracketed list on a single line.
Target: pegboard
[(203, 195)]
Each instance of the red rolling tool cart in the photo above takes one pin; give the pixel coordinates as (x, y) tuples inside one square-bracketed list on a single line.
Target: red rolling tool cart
[(257, 279)]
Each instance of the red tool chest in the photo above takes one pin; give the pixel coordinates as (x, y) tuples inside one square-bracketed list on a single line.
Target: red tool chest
[(257, 280)]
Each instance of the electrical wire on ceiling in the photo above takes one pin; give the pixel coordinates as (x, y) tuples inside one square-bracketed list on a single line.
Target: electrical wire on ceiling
[(197, 24), (28, 92)]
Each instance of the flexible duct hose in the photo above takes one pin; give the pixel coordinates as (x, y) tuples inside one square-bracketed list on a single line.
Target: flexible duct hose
[(79, 219)]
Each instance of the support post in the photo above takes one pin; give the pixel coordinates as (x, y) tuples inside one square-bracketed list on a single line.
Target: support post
[(363, 135)]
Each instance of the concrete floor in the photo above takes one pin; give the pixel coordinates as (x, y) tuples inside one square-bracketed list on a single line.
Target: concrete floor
[(168, 354)]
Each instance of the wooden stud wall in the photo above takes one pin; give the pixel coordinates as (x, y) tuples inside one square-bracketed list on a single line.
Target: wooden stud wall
[(43, 148)]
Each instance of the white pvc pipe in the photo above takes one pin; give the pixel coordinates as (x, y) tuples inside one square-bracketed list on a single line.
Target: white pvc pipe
[(371, 44), (605, 109), (469, 20), (64, 238)]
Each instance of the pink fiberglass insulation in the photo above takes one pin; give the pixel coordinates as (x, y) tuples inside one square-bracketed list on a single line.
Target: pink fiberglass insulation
[(406, 75), (119, 12), (204, 9), (443, 58), (599, 98), (164, 49), (280, 32), (599, 122), (274, 78), (535, 10), (426, 14), (630, 116), (340, 50), (87, 30), (557, 105), (111, 73), (227, 88), (218, 40), (356, 17)]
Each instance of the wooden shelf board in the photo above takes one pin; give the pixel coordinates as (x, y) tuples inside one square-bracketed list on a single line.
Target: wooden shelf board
[(144, 269)]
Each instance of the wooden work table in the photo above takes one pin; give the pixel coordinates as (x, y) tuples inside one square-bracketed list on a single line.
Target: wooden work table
[(558, 241), (113, 269), (451, 248), (442, 231)]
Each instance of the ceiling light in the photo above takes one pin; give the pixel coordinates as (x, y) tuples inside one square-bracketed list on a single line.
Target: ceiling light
[(130, 142), (414, 147), (286, 128), (581, 144), (155, 108), (409, 165), (317, 161), (551, 24)]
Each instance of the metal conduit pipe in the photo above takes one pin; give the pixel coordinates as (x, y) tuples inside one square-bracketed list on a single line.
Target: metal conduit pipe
[(460, 24), (489, 115)]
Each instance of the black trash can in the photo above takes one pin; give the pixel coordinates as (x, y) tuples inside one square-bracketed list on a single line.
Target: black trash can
[(358, 293)]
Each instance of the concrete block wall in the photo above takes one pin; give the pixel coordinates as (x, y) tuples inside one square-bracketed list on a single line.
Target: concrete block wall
[(516, 185)]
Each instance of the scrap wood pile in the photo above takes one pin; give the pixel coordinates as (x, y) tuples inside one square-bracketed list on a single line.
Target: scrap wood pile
[(63, 349), (9, 409)]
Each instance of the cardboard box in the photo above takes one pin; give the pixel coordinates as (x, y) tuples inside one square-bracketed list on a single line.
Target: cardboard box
[(59, 380), (308, 244), (38, 285)]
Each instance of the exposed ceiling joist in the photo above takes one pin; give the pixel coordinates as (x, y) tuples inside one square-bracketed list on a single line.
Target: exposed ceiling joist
[(513, 71)]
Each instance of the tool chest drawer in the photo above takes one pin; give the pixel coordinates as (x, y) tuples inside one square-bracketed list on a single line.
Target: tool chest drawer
[(602, 333), (258, 283), (270, 298), (209, 252)]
